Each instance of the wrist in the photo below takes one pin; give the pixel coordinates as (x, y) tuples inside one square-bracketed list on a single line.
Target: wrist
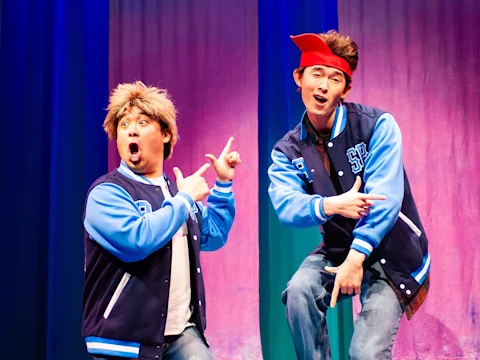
[(329, 206), (356, 257)]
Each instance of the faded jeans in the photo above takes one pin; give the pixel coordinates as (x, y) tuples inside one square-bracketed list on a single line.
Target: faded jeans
[(189, 346), (307, 298)]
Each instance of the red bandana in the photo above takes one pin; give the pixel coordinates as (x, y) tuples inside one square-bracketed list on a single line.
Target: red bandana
[(316, 52)]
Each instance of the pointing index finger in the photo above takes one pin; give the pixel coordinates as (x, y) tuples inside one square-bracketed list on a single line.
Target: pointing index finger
[(373, 197), (202, 169), (333, 300), (228, 147)]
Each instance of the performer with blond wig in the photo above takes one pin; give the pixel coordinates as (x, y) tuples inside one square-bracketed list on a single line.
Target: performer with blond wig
[(144, 295)]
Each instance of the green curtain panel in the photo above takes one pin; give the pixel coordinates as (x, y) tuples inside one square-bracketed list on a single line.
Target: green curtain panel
[(282, 249)]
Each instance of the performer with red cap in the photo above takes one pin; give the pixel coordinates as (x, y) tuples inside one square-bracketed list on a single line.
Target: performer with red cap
[(341, 169)]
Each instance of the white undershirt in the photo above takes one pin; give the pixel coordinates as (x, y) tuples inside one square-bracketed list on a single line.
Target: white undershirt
[(179, 311)]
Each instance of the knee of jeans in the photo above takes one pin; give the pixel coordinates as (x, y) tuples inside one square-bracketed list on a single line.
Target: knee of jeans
[(363, 351), (356, 353), (302, 287), (199, 357)]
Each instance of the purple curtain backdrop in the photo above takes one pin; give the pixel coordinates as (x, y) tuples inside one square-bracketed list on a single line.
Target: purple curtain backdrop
[(205, 54), (419, 60)]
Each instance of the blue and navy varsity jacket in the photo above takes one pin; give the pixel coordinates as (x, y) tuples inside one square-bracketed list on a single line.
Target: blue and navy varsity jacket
[(364, 142), (128, 255)]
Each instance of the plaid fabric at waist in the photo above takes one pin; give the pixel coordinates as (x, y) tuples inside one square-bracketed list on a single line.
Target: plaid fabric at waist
[(410, 306)]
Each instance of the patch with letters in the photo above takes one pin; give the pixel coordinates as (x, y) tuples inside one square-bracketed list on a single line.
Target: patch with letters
[(356, 156), (194, 213), (299, 163)]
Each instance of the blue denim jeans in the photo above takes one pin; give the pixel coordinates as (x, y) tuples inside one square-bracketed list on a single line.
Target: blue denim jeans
[(189, 346), (307, 298)]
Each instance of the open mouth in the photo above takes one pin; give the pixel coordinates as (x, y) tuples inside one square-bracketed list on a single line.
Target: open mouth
[(320, 99), (133, 148), (134, 153)]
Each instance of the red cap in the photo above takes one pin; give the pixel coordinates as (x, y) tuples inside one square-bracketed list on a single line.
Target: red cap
[(316, 52)]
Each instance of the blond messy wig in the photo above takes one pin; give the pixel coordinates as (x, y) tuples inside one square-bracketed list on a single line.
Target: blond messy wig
[(154, 102)]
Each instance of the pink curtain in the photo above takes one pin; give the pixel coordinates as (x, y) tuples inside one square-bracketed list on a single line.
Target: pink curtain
[(419, 60), (205, 54)]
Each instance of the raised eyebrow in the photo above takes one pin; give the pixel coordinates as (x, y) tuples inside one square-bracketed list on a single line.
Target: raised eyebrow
[(122, 116), (144, 114)]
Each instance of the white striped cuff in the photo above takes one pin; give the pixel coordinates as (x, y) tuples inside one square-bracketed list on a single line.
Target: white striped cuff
[(318, 208), (186, 199), (223, 187), (318, 211), (362, 246)]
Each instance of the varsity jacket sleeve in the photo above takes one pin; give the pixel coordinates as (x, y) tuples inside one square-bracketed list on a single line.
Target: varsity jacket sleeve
[(288, 193), (383, 175), (217, 216), (114, 220)]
